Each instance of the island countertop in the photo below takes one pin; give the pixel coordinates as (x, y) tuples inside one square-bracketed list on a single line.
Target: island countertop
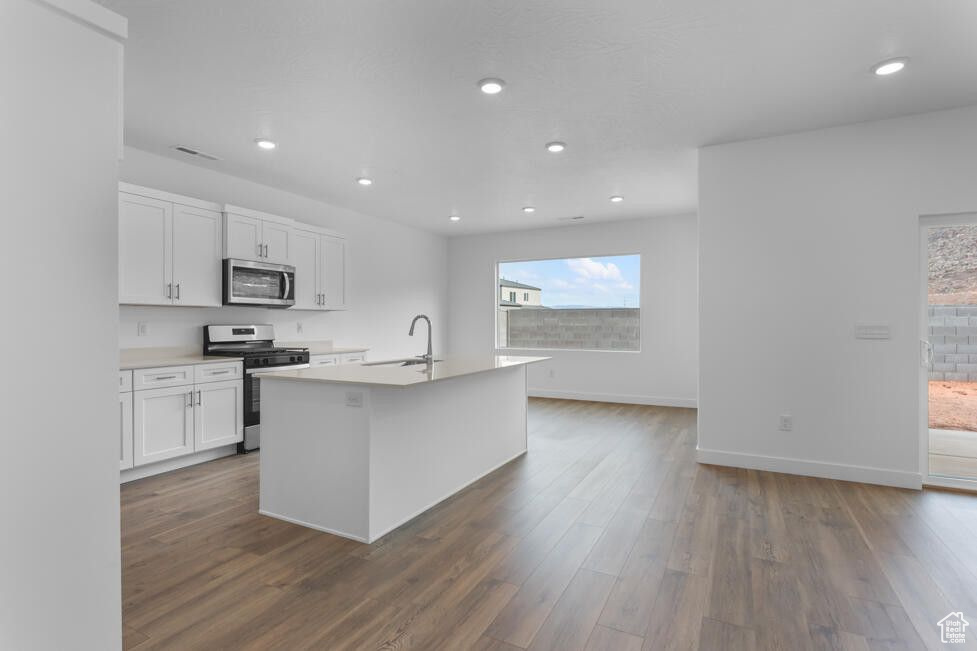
[(395, 375)]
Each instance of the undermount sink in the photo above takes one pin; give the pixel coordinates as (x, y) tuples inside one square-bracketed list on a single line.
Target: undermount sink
[(409, 361)]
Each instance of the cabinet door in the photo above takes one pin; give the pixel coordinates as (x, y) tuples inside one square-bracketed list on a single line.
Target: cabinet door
[(305, 258), (145, 255), (125, 431), (277, 239), (162, 424), (242, 235), (196, 256), (218, 414), (332, 272)]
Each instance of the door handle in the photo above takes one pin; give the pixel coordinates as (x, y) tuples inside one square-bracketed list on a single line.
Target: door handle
[(288, 285), (177, 291), (259, 250), (265, 248), (169, 290), (189, 399), (199, 397)]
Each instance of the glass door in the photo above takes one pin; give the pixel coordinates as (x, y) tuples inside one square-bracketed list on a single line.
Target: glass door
[(951, 348)]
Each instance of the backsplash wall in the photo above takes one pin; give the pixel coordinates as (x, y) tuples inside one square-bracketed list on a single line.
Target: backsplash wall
[(395, 271)]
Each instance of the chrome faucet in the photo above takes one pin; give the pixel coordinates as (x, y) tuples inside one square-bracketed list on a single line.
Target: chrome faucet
[(429, 357)]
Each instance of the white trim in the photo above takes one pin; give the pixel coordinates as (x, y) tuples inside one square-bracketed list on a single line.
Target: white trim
[(951, 482), (257, 214), (162, 195), (140, 472), (92, 15), (655, 401), (317, 230), (843, 472), (302, 523)]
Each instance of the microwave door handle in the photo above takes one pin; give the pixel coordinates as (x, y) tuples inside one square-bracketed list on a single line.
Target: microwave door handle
[(288, 286)]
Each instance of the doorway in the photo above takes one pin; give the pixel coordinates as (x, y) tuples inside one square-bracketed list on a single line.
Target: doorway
[(949, 349)]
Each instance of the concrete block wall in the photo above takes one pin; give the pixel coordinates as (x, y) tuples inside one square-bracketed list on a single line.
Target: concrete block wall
[(953, 335), (576, 329)]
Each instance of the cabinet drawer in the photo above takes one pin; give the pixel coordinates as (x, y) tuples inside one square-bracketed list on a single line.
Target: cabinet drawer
[(217, 372), (125, 381), (157, 378), (354, 358), (323, 360)]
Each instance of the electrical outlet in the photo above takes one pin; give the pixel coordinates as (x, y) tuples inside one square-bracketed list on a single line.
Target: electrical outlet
[(786, 423), (142, 329), (299, 328), (354, 398)]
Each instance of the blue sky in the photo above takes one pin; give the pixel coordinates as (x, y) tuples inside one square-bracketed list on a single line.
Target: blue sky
[(609, 281)]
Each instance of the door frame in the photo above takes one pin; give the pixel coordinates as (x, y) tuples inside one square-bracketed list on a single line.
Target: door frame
[(926, 222)]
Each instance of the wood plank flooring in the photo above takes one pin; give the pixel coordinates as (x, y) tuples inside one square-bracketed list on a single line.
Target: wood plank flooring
[(605, 536)]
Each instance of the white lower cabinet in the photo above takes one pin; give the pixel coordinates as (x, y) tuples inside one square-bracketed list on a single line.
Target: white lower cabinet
[(170, 422), (125, 430), (162, 424), (218, 413)]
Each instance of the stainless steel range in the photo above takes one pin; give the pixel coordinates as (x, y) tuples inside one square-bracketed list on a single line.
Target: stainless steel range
[(255, 344)]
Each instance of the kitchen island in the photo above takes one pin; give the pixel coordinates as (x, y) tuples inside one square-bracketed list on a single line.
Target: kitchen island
[(359, 450)]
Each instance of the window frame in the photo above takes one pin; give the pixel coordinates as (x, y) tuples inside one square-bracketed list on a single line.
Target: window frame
[(509, 350)]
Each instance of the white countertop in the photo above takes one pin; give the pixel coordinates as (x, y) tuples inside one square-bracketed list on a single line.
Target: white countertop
[(394, 375), (321, 347), (132, 358)]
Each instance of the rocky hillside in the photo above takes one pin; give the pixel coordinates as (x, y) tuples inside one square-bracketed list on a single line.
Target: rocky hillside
[(953, 265)]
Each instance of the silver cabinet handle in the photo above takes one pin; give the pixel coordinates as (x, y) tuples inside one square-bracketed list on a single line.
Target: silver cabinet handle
[(169, 290), (266, 250), (177, 291), (259, 250), (199, 397), (224, 372), (165, 377), (189, 399)]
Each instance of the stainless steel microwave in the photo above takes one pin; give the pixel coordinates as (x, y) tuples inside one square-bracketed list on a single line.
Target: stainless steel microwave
[(258, 283)]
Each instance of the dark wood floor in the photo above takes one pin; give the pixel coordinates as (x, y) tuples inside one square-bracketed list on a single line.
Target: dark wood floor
[(607, 535)]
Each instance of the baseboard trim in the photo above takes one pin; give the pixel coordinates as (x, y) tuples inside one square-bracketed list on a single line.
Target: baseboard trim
[(308, 525), (843, 472), (141, 472), (654, 401)]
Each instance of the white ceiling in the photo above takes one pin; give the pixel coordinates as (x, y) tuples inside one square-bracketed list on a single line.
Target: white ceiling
[(388, 89)]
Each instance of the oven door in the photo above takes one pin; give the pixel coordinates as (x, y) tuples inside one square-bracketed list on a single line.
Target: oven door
[(252, 405), (258, 283)]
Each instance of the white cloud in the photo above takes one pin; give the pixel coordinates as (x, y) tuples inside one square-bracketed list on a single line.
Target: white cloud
[(589, 269)]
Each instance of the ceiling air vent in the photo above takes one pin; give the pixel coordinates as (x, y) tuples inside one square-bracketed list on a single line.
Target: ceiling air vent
[(194, 152)]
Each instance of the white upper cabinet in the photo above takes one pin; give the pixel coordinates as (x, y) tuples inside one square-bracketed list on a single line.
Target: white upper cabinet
[(320, 260), (305, 258), (253, 235), (196, 256), (169, 249), (332, 273), (145, 253)]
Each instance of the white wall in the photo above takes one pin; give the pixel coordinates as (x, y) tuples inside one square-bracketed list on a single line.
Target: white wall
[(800, 237), (396, 271), (59, 474), (663, 373)]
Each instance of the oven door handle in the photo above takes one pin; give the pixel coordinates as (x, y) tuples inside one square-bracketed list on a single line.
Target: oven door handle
[(271, 369), (288, 286)]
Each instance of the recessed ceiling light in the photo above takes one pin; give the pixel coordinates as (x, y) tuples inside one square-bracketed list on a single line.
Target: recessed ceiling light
[(264, 143), (890, 66), (617, 199), (556, 147), (455, 218), (528, 209), (491, 86), (364, 181)]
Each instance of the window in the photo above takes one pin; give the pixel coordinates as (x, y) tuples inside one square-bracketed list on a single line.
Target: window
[(570, 304)]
